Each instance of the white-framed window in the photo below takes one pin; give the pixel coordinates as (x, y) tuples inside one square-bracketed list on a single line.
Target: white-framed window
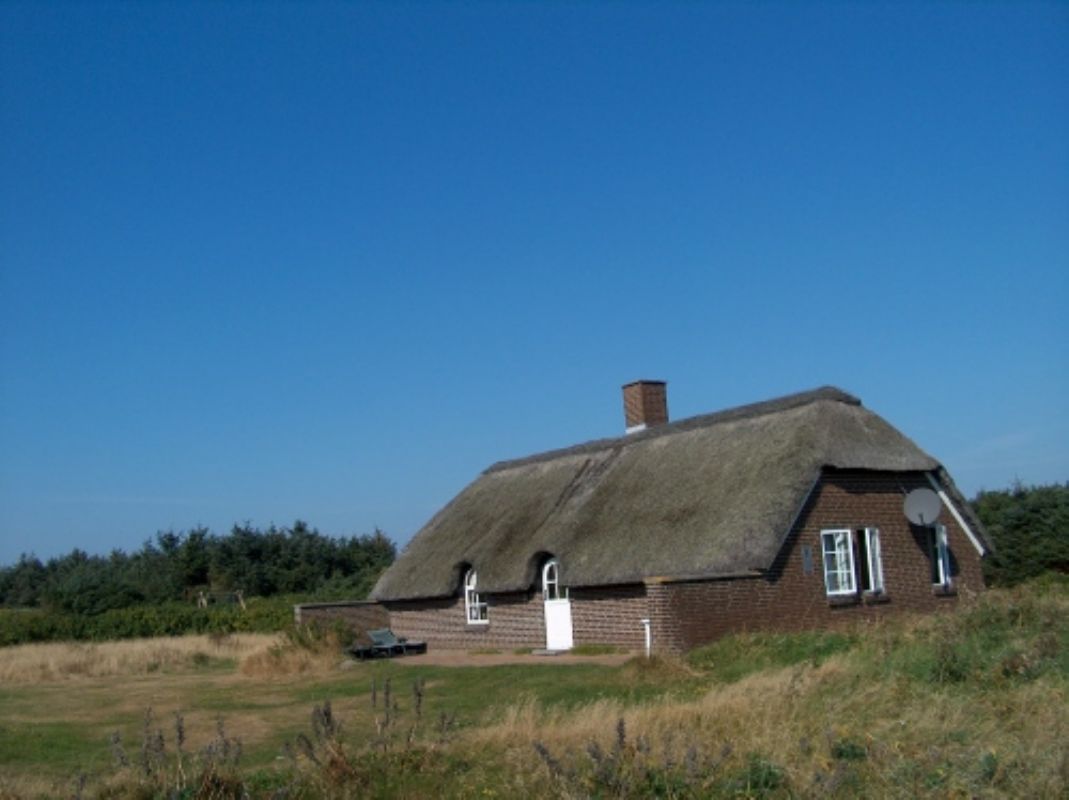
[(551, 588), (838, 552), (872, 579), (940, 556), (474, 607)]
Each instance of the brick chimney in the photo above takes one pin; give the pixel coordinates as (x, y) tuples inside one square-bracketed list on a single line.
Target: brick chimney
[(645, 405)]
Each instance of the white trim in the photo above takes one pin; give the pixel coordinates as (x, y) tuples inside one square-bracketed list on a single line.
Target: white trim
[(472, 601), (834, 534), (558, 609), (954, 512), (561, 592), (941, 553), (635, 428), (875, 560)]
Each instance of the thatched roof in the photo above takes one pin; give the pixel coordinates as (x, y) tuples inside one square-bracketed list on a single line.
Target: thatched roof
[(713, 495)]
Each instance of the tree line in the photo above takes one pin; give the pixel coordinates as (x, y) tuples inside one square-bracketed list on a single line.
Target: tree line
[(1029, 530), (1027, 526), (186, 566)]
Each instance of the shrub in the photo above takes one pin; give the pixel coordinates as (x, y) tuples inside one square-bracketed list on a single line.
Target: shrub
[(262, 615)]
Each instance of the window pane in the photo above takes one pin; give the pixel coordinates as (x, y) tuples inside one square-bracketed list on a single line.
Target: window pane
[(833, 582), (838, 561), (864, 560), (875, 567)]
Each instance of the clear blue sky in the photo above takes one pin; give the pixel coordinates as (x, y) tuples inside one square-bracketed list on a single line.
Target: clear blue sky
[(329, 261)]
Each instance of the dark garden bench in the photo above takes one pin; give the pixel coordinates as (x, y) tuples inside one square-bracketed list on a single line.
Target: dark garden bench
[(385, 645)]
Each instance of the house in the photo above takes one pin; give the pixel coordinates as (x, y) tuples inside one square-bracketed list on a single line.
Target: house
[(780, 515)]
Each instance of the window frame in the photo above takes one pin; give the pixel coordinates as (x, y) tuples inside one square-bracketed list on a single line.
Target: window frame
[(476, 610), (940, 556), (835, 536), (874, 559), (558, 592)]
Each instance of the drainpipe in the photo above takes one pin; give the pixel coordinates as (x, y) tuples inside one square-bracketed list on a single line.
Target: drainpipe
[(646, 625)]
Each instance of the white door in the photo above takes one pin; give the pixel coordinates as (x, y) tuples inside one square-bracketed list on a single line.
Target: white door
[(558, 609)]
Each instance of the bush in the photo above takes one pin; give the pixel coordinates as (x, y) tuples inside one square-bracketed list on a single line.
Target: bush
[(262, 615)]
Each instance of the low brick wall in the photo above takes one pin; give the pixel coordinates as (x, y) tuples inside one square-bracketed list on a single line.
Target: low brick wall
[(359, 616), (600, 615)]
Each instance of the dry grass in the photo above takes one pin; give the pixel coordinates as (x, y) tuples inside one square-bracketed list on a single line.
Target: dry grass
[(259, 655), (905, 741), (303, 651), (970, 704), (60, 661)]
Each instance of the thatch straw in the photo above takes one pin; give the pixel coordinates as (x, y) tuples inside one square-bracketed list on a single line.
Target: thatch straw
[(708, 496)]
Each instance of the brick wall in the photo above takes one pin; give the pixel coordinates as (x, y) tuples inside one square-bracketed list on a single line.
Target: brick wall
[(645, 403), (601, 615), (359, 616), (685, 614), (515, 620), (610, 615), (695, 612)]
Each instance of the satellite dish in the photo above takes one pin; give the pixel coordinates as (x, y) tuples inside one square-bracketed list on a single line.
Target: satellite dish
[(922, 506)]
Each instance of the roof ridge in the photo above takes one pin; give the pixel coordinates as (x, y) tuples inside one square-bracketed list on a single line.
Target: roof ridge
[(735, 413)]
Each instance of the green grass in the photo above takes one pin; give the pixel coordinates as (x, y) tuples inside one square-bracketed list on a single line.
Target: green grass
[(50, 746), (62, 729), (465, 690), (735, 657), (594, 650), (970, 703)]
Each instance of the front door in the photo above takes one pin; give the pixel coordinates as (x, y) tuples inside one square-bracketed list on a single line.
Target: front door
[(558, 608)]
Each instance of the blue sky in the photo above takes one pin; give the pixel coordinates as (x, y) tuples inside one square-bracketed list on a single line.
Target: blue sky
[(328, 261)]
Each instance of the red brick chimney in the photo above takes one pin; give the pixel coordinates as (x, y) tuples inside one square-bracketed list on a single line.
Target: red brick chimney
[(645, 405)]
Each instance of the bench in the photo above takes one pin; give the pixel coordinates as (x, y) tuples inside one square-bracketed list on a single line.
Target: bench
[(384, 644)]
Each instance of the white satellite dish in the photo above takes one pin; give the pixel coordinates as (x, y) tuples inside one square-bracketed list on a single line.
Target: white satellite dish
[(922, 506)]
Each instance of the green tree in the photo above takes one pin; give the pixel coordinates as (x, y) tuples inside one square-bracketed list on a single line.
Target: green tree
[(1029, 529), (21, 584), (175, 566)]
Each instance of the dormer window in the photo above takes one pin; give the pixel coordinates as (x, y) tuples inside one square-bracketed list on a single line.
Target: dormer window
[(551, 588), (474, 608)]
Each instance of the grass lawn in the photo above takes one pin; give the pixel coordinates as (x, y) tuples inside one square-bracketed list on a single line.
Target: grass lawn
[(974, 703), (52, 731)]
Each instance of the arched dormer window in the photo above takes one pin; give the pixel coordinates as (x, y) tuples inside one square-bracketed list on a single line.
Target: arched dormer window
[(474, 607), (551, 588)]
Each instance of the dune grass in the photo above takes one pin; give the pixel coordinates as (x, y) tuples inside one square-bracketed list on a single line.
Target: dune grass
[(58, 661), (971, 704)]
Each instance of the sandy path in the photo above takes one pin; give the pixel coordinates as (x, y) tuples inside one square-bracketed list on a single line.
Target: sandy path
[(462, 658)]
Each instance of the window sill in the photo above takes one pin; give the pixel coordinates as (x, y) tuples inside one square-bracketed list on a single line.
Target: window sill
[(941, 590), (842, 600), (875, 598)]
